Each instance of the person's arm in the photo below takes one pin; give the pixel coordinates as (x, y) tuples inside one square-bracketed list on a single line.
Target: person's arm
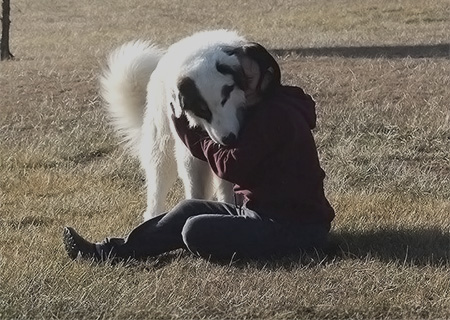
[(191, 137), (236, 164), (240, 163)]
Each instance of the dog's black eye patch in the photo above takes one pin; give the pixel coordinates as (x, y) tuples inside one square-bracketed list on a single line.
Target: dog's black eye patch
[(226, 91), (237, 74), (191, 99)]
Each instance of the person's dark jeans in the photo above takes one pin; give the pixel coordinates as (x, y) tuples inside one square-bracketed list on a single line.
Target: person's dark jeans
[(215, 230)]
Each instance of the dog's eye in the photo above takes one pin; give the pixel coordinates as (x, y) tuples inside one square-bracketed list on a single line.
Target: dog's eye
[(226, 91)]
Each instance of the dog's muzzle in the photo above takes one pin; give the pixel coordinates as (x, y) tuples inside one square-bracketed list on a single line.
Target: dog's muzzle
[(229, 140)]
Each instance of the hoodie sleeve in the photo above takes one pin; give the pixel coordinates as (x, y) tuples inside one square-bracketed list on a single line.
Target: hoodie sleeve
[(191, 137), (258, 139), (266, 132)]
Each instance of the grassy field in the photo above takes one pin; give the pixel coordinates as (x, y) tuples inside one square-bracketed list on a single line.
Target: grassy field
[(380, 72)]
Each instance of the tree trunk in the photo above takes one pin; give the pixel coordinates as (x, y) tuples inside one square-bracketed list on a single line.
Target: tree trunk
[(4, 45)]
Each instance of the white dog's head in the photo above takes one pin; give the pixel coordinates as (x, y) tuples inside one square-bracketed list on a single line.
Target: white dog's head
[(214, 87)]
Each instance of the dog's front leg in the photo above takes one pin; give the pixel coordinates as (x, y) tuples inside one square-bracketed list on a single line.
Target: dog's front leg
[(193, 172)]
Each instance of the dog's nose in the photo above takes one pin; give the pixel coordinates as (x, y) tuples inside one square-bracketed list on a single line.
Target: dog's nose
[(229, 140)]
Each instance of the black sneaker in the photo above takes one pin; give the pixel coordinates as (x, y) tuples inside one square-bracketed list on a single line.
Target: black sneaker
[(76, 246)]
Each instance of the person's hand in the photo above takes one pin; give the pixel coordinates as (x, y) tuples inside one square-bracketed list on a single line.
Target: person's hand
[(174, 114), (181, 123), (187, 133), (191, 137)]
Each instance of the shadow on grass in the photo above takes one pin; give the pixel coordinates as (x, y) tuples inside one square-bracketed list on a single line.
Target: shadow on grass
[(409, 246), (413, 51)]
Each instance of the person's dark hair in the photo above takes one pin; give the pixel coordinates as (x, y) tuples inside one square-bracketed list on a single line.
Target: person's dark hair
[(270, 70)]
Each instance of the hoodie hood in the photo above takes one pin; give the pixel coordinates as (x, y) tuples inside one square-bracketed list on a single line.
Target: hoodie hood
[(296, 97)]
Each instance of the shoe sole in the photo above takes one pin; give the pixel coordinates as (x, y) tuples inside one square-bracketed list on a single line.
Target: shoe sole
[(69, 244)]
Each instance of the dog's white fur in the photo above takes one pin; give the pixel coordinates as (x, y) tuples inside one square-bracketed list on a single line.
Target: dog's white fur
[(139, 86)]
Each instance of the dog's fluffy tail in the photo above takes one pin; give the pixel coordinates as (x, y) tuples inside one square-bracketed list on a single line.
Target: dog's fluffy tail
[(124, 88)]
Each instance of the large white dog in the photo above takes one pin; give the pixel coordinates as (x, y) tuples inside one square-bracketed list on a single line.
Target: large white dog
[(211, 77)]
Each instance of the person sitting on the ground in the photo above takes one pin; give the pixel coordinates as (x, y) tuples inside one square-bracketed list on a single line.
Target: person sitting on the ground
[(274, 165)]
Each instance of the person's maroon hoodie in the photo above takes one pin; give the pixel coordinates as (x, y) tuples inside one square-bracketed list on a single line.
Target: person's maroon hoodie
[(274, 163)]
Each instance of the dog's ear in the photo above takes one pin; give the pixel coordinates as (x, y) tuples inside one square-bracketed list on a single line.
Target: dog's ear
[(190, 99), (260, 68), (186, 91)]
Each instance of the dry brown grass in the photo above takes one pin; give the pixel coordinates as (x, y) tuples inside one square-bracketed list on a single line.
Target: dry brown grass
[(383, 135)]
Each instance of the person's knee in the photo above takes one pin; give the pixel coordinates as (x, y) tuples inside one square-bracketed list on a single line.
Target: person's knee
[(185, 209), (184, 203), (194, 234), (189, 205), (203, 236)]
